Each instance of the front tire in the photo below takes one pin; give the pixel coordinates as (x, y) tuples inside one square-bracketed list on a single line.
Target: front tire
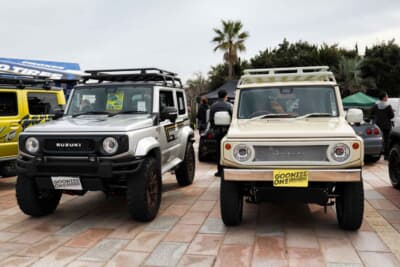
[(185, 171), (350, 205), (394, 166), (143, 193), (231, 194), (8, 170), (34, 202)]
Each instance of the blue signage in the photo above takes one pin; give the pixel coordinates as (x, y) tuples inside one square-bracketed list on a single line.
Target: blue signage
[(51, 69)]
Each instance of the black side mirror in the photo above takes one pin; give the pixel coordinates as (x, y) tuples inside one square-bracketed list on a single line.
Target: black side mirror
[(58, 113), (170, 113)]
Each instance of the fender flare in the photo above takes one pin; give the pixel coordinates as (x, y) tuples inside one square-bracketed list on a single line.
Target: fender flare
[(145, 145)]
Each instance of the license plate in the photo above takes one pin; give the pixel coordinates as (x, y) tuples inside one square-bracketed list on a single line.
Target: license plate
[(290, 178), (66, 182)]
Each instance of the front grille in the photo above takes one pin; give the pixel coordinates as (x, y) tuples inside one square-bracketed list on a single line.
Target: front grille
[(290, 153), (69, 145)]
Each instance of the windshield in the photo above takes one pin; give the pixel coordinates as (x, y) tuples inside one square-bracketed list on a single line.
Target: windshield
[(111, 99), (276, 102)]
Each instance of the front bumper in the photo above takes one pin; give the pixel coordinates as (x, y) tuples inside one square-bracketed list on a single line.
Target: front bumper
[(316, 175), (95, 173)]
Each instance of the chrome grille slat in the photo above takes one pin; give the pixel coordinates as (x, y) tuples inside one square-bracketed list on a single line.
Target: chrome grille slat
[(290, 153)]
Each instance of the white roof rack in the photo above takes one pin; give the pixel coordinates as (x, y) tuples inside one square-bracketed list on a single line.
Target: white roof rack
[(296, 74)]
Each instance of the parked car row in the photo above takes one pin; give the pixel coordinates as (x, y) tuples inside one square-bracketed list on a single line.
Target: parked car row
[(289, 140)]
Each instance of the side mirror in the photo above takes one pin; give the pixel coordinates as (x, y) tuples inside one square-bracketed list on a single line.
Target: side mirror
[(58, 113), (169, 113), (355, 115), (222, 118)]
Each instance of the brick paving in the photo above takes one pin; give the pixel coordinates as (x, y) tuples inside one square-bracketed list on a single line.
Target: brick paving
[(96, 231)]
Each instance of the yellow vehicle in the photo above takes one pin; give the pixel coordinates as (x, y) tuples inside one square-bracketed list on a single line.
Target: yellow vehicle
[(24, 101)]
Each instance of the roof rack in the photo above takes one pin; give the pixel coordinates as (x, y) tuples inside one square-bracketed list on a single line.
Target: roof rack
[(294, 74), (21, 81), (167, 78)]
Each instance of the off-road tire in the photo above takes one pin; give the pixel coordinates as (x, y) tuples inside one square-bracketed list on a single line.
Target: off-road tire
[(185, 172), (7, 170), (394, 166), (231, 196), (350, 205), (34, 202), (143, 192)]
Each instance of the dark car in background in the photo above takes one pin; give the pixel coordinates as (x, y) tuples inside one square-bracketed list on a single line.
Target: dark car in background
[(373, 141), (208, 146)]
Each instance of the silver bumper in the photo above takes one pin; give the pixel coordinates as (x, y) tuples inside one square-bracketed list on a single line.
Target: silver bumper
[(315, 175)]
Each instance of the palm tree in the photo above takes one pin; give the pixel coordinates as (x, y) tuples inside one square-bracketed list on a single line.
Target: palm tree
[(230, 39), (349, 74)]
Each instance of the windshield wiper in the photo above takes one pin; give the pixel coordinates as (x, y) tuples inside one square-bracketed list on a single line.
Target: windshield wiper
[(90, 113), (128, 112), (315, 114), (272, 115)]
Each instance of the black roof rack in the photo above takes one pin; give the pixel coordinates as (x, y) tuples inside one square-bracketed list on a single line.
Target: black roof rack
[(22, 81), (167, 78)]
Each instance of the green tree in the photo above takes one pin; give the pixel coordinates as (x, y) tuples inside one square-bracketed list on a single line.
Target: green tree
[(381, 65), (230, 39), (349, 74), (196, 86)]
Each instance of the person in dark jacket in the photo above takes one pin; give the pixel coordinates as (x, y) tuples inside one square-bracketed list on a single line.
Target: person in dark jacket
[(382, 114), (221, 104), (202, 114)]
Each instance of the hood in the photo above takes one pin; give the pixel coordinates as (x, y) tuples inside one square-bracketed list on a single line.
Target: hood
[(291, 128), (95, 123)]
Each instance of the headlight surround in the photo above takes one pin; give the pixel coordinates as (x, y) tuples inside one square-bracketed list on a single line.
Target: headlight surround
[(340, 152), (110, 145), (32, 145), (242, 152)]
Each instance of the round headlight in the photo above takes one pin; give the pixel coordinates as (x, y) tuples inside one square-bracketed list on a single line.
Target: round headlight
[(32, 145), (110, 145), (242, 152), (340, 152)]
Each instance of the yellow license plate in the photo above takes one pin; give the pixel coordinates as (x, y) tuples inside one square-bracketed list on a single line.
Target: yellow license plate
[(290, 178)]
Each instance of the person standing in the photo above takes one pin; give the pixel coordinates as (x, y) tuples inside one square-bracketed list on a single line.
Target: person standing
[(382, 114), (221, 104), (202, 114)]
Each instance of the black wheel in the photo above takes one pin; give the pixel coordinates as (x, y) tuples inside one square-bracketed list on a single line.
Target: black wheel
[(185, 172), (33, 201), (231, 195), (371, 159), (350, 205), (143, 193), (8, 170), (394, 166)]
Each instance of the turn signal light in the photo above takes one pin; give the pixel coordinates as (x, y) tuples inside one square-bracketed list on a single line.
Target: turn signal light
[(228, 146), (356, 145)]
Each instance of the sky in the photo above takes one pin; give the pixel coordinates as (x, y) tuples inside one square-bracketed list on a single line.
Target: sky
[(176, 34)]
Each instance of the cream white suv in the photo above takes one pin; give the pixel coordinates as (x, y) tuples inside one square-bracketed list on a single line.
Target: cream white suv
[(289, 140)]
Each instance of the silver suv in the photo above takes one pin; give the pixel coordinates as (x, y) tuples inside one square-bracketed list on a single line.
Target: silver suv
[(119, 133)]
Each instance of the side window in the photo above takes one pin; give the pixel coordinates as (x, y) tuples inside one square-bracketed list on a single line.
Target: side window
[(8, 104), (42, 103), (181, 103), (166, 99)]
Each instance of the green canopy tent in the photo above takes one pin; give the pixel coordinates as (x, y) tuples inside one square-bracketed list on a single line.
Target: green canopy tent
[(359, 100)]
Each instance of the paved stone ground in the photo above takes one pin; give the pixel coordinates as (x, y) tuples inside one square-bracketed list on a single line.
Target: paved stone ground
[(96, 231)]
